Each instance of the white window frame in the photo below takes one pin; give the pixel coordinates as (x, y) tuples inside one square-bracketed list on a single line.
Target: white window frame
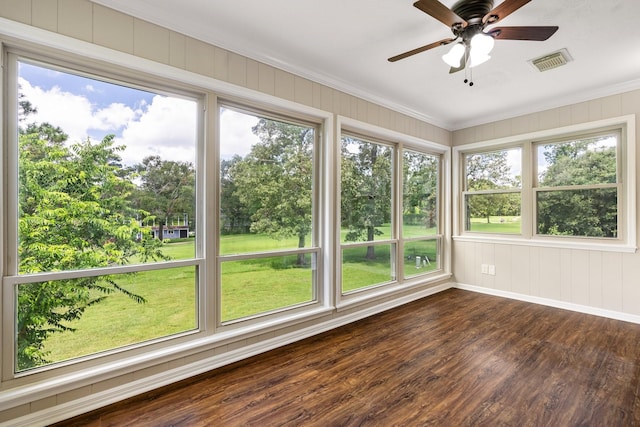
[(62, 377), (315, 249), (467, 192), (397, 141), (438, 237), (618, 185), (627, 205), (11, 279)]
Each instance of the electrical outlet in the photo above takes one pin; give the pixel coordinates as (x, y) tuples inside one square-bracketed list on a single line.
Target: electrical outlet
[(484, 269), (492, 270)]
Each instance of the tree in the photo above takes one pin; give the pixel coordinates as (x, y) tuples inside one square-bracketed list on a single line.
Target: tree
[(580, 211), (490, 171), (366, 190), (274, 181), (167, 189), (420, 192), (73, 214), (235, 218)]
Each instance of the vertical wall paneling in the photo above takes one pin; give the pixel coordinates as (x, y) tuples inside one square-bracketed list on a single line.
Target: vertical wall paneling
[(595, 279), (631, 283), (612, 281), (565, 275), (221, 64), (266, 79), (44, 14), (177, 50), (504, 267), (16, 11), (534, 269), (520, 279), (237, 73), (199, 57), (303, 91), (549, 278), (75, 19), (112, 29), (151, 41), (253, 74)]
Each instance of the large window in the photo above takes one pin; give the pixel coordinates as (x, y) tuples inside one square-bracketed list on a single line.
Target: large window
[(420, 212), (573, 186), (366, 232), (102, 251), (385, 239), (578, 186), (492, 195), (268, 251)]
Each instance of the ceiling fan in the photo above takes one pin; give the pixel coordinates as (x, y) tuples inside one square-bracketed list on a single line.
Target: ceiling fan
[(468, 20)]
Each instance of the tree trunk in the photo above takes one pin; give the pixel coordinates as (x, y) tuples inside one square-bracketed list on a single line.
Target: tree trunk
[(371, 250), (301, 261)]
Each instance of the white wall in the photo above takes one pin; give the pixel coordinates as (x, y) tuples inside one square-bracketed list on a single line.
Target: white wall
[(593, 281)]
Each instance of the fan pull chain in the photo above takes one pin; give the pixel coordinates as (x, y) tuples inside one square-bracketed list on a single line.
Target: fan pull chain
[(468, 72)]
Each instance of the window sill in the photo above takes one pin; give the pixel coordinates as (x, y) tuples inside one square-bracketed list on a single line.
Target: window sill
[(365, 296), (548, 243)]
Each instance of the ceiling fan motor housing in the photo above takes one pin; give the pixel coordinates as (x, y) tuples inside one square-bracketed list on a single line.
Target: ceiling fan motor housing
[(472, 11)]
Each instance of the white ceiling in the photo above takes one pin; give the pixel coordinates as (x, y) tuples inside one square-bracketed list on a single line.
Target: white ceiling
[(345, 44)]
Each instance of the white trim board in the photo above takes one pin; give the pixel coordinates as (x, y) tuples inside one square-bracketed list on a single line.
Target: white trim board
[(594, 311)]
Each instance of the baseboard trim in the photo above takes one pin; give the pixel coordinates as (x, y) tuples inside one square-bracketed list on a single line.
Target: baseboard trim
[(632, 318), (143, 385)]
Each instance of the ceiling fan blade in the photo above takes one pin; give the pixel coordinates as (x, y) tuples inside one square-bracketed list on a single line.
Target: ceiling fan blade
[(441, 12), (506, 8), (421, 49), (522, 33)]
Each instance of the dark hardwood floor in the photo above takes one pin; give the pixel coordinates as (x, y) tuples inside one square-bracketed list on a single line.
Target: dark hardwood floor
[(453, 359)]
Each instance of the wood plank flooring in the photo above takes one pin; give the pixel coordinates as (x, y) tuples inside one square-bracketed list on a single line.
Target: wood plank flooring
[(453, 359)]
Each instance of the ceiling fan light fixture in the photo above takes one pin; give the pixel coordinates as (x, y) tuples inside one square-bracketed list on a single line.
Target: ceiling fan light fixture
[(477, 59), (482, 43), (454, 56)]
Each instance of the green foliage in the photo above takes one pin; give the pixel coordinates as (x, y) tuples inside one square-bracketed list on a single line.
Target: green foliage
[(273, 183), (490, 171), (167, 189), (420, 189), (74, 214), (235, 218), (579, 211), (365, 189)]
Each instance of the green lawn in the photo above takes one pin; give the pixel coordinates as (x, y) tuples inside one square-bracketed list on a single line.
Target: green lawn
[(497, 224), (118, 320), (248, 287)]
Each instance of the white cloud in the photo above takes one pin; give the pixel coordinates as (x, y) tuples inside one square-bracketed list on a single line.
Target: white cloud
[(70, 112), (166, 128), (112, 118), (235, 133)]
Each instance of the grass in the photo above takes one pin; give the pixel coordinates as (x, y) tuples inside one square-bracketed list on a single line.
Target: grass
[(248, 287), (497, 224), (118, 320), (265, 284)]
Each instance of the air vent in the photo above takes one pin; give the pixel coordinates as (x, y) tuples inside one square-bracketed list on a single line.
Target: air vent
[(553, 60)]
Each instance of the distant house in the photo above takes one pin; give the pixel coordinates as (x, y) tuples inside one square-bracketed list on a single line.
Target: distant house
[(171, 231)]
